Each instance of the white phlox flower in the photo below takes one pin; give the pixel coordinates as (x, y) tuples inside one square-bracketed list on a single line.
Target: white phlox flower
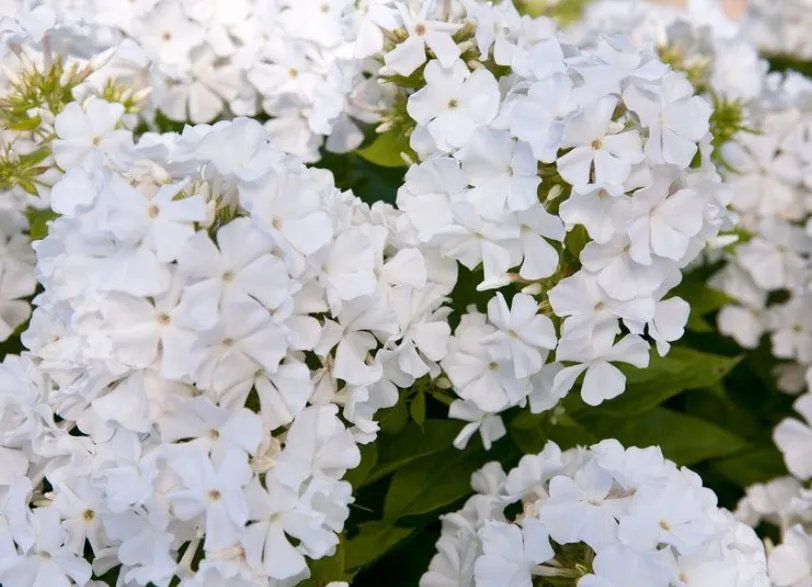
[(600, 517)]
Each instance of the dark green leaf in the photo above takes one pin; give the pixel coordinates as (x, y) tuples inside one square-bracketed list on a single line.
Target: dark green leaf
[(681, 369), (431, 483), (756, 466), (683, 439), (532, 431), (417, 409), (529, 431), (438, 480), (369, 458), (326, 570), (702, 299), (568, 434), (373, 540), (790, 63), (394, 419), (411, 444)]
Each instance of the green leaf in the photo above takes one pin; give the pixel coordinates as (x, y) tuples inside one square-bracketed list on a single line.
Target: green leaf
[(790, 63), (417, 409), (697, 323), (568, 11), (35, 157), (529, 431), (568, 433), (465, 293), (411, 444), (373, 540), (435, 481), (27, 185), (564, 11), (681, 369), (326, 570), (38, 220), (386, 150), (683, 439), (756, 466), (369, 458), (702, 299), (576, 240), (394, 419), (25, 124)]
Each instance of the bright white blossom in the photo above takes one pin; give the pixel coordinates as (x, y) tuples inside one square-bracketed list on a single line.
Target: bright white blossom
[(609, 515)]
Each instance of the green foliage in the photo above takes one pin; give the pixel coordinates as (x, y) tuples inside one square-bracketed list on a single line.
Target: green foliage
[(360, 475), (684, 439), (412, 443), (34, 88), (755, 466), (395, 418), (576, 240), (38, 221), (703, 299), (387, 150), (370, 182), (726, 121), (373, 540), (564, 11), (432, 482), (417, 408), (329, 569), (790, 63), (680, 370)]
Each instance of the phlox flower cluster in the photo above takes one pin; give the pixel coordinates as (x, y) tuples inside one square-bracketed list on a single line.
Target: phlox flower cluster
[(767, 165), (768, 275), (698, 38), (299, 64), (786, 503), (767, 168), (599, 517), (41, 66), (780, 27), (217, 328), (578, 176)]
